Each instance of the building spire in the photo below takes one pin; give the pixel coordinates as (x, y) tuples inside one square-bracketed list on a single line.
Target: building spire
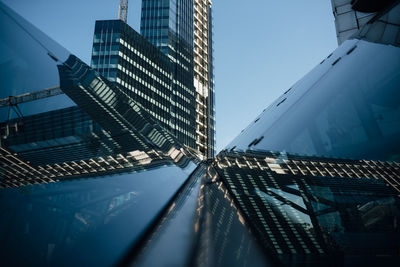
[(123, 10)]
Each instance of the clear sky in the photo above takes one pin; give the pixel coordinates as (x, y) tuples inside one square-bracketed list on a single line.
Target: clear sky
[(261, 47)]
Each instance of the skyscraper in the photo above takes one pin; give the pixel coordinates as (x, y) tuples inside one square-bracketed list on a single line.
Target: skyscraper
[(182, 30), (204, 77), (168, 25), (124, 57), (88, 177)]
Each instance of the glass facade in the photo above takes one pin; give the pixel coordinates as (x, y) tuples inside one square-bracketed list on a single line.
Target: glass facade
[(88, 176), (348, 106), (345, 107), (53, 223), (315, 210), (204, 77), (79, 157), (182, 30), (18, 72), (124, 57), (168, 25), (211, 99)]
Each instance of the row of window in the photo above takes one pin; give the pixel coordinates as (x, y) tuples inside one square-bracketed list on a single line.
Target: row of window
[(106, 37), (131, 48), (148, 73), (177, 107), (153, 3), (105, 53), (143, 70), (150, 99)]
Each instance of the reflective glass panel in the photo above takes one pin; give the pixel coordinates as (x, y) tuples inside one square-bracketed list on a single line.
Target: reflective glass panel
[(348, 107), (28, 63), (87, 221)]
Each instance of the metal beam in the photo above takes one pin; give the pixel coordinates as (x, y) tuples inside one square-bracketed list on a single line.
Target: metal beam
[(27, 97)]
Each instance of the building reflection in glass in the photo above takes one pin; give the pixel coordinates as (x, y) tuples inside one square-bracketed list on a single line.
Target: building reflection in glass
[(304, 216), (88, 177)]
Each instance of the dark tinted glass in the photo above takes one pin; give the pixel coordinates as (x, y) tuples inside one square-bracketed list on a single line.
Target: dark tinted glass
[(316, 210), (348, 107), (94, 220), (28, 63), (80, 185)]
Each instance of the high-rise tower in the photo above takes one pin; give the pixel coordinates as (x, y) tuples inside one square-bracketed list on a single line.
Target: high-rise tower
[(204, 78), (124, 57), (182, 29), (168, 25), (305, 184), (161, 80)]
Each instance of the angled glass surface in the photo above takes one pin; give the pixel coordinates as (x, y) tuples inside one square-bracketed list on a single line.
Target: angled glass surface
[(93, 220), (28, 63), (207, 229), (89, 181), (43, 129), (348, 107), (226, 236), (308, 210), (83, 179)]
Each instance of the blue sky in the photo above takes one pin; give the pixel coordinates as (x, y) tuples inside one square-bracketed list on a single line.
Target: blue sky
[(261, 47)]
